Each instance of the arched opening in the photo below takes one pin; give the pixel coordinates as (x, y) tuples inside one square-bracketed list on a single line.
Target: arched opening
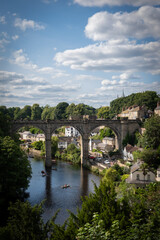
[(32, 140), (68, 146), (103, 144)]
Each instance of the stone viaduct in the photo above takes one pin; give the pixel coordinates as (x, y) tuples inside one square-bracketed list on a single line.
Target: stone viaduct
[(84, 126)]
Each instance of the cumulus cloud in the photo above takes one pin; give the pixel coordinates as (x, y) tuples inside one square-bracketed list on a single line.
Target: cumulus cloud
[(100, 3), (24, 24), (128, 56), (21, 59), (138, 24)]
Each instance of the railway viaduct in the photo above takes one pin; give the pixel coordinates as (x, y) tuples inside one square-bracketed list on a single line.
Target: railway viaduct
[(84, 126)]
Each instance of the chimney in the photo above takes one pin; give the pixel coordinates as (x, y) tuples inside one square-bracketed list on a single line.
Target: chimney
[(158, 103)]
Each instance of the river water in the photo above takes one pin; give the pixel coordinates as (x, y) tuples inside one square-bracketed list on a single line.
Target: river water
[(49, 188)]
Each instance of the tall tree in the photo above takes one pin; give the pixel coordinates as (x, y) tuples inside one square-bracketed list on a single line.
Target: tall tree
[(60, 110), (36, 112)]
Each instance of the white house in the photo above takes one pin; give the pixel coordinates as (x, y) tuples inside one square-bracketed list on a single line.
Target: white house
[(139, 177), (128, 152), (40, 137), (71, 132), (65, 141), (26, 135)]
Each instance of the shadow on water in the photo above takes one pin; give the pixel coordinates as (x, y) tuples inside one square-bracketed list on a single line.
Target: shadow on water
[(49, 187)]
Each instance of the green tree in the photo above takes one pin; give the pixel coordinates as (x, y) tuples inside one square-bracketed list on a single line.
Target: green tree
[(152, 133), (15, 172), (24, 223), (38, 145), (92, 231), (54, 145), (36, 111), (24, 113), (103, 112), (60, 110)]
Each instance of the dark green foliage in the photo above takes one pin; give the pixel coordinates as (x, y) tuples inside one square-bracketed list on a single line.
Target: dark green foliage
[(24, 113), (148, 98), (152, 133), (5, 123), (60, 110), (129, 139), (24, 223), (48, 113), (15, 173), (36, 111), (54, 145), (34, 130), (38, 145)]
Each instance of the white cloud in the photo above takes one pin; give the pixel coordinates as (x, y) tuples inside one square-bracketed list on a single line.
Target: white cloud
[(126, 76), (20, 58), (15, 37), (6, 76), (2, 19), (128, 56), (24, 24), (138, 24), (100, 3)]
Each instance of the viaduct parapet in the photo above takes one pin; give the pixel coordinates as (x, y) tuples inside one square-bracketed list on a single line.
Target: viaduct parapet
[(84, 126)]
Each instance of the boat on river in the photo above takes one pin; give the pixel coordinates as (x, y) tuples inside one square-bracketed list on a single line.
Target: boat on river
[(65, 186)]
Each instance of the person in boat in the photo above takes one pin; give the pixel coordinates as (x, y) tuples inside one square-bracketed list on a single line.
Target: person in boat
[(65, 186)]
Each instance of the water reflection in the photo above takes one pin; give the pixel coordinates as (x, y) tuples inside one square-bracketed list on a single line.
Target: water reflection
[(49, 188)]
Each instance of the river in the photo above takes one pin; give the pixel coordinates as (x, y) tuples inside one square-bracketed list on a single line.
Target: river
[(49, 188)]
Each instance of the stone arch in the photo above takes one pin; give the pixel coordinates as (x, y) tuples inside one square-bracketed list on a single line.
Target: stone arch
[(114, 129), (17, 125)]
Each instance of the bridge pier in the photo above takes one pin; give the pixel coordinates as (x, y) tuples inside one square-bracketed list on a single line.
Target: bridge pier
[(84, 149), (48, 162)]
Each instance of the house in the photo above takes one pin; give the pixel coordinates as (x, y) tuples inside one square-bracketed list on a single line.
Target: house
[(128, 152), (65, 141), (26, 135), (134, 112), (139, 176), (40, 137), (109, 141), (71, 132), (157, 109), (93, 143)]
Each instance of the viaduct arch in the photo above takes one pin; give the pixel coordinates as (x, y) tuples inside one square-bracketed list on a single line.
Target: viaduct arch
[(84, 126)]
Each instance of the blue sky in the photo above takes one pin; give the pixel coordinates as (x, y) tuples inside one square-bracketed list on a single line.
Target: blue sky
[(80, 51)]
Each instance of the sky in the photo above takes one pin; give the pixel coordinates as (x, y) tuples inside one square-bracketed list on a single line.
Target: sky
[(77, 51)]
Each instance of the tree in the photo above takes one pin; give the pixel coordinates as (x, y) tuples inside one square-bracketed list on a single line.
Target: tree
[(93, 231), (24, 222), (152, 133), (15, 172), (54, 145), (60, 110), (24, 113), (38, 145), (103, 112), (36, 112)]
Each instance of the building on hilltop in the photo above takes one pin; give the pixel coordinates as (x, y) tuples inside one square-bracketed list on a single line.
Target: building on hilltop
[(134, 112)]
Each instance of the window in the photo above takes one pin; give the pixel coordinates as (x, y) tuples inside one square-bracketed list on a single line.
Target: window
[(137, 176)]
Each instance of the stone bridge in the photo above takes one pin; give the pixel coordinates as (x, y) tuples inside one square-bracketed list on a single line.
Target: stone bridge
[(84, 126)]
